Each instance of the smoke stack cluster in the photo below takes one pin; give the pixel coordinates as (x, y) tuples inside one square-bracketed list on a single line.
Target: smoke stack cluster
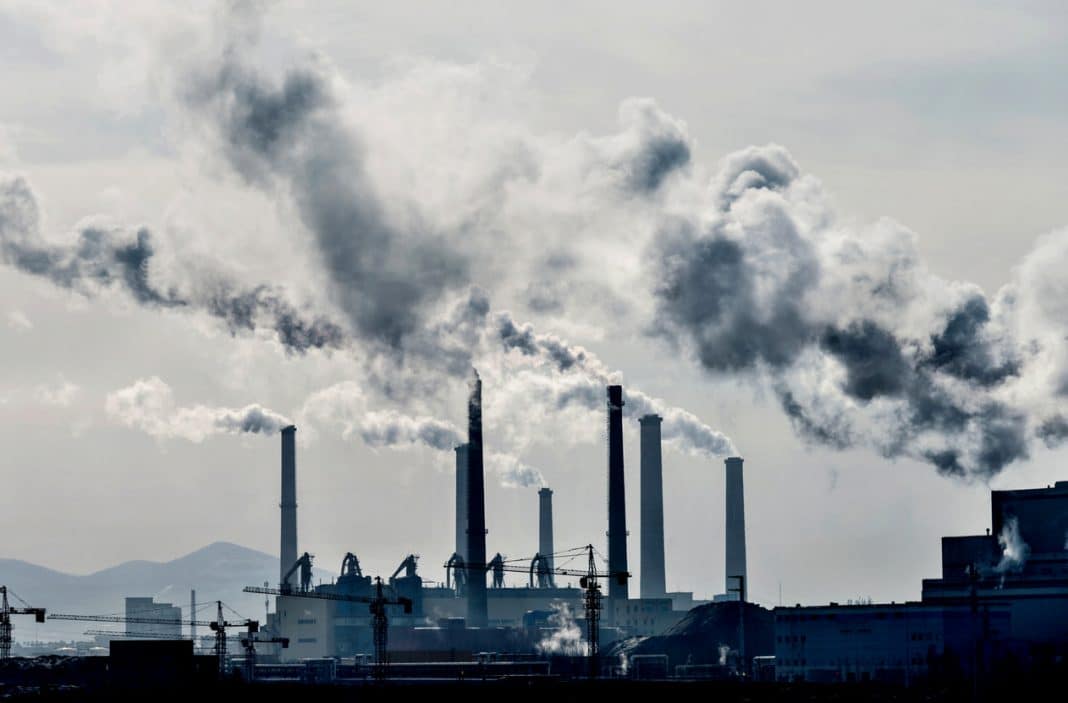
[(288, 504), (617, 507), (545, 531), (735, 528), (652, 507), (477, 608)]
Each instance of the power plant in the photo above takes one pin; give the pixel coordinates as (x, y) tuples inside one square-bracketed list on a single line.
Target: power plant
[(984, 609)]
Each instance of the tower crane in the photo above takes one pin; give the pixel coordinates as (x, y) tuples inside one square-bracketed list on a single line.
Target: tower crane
[(588, 581), (6, 612), (377, 606), (218, 626)]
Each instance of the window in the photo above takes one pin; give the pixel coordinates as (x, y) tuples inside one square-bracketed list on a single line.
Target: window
[(306, 621)]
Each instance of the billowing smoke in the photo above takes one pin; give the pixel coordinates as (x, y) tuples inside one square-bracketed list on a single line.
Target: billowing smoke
[(861, 343), (97, 258), (582, 380), (148, 405), (566, 637), (289, 137), (1014, 550), (390, 428)]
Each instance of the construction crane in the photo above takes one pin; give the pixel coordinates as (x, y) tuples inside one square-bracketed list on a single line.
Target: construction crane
[(249, 643), (6, 612), (377, 606), (588, 581), (136, 635), (218, 626)]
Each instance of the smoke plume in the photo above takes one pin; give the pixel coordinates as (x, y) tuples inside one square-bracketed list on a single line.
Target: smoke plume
[(861, 343), (97, 258), (148, 405), (581, 382)]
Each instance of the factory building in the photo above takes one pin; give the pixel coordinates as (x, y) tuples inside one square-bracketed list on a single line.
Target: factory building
[(1022, 562), (893, 643), (148, 608), (1001, 597)]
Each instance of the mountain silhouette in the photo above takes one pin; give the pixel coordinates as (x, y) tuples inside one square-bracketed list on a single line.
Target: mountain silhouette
[(218, 572)]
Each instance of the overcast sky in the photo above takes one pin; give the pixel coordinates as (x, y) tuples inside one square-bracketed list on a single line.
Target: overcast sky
[(829, 236)]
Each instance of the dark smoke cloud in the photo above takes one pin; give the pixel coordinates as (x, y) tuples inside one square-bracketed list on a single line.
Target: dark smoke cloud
[(1053, 431), (769, 283), (289, 137), (101, 258)]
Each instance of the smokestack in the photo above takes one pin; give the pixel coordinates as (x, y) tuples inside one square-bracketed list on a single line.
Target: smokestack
[(461, 501), (193, 615), (652, 517), (545, 530), (735, 528), (617, 508), (289, 502), (476, 512)]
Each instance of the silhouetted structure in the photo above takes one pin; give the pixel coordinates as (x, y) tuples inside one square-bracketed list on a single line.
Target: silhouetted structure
[(545, 537), (477, 615), (735, 529), (617, 505), (461, 501), (652, 510), (288, 552)]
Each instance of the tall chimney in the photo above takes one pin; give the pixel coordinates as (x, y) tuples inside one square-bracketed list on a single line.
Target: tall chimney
[(193, 616), (461, 501), (735, 529), (477, 615), (289, 503), (617, 507), (652, 501), (545, 530)]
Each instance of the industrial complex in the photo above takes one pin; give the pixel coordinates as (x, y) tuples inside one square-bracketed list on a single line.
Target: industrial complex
[(1000, 603)]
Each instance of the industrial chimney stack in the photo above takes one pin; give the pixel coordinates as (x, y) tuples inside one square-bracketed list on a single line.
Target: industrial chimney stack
[(288, 553), (477, 607), (545, 530), (461, 501), (652, 517), (735, 529), (617, 507)]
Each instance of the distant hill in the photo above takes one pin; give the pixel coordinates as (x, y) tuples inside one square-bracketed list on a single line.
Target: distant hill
[(217, 572)]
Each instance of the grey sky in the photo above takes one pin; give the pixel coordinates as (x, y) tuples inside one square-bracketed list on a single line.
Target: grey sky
[(948, 119)]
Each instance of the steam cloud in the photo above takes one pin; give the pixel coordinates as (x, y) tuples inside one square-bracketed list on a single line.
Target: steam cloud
[(566, 638), (148, 405), (1014, 550)]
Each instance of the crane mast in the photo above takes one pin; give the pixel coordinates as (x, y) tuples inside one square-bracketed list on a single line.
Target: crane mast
[(6, 611)]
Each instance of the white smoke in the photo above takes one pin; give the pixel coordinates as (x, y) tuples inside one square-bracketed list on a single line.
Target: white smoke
[(1014, 550), (566, 638), (148, 405), (389, 428)]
